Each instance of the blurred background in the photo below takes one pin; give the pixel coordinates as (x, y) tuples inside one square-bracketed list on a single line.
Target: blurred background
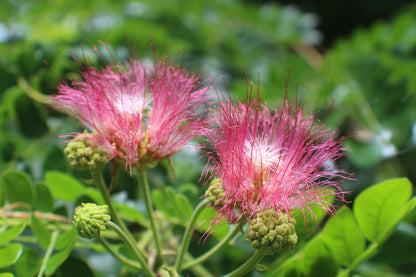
[(354, 60)]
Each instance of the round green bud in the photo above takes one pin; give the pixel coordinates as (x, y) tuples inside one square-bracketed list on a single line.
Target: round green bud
[(91, 219), (215, 193), (272, 232), (82, 154)]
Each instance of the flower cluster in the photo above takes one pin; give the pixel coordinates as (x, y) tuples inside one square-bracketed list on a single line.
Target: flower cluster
[(262, 162), (278, 159), (137, 113)]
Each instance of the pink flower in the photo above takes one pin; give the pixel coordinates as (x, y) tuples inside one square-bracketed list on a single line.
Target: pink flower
[(279, 159), (137, 113)]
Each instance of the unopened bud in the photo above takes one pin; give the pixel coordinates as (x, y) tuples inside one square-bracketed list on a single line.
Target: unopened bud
[(215, 193), (91, 219), (82, 154), (271, 232)]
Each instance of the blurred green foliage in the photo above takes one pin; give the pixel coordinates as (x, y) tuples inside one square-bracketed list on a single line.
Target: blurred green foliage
[(365, 82)]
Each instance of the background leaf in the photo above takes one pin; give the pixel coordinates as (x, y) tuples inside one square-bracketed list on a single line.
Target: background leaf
[(43, 199), (343, 237), (59, 258), (66, 239), (377, 207), (9, 254), (29, 262), (63, 186), (18, 186), (183, 207), (11, 233), (318, 260), (43, 237)]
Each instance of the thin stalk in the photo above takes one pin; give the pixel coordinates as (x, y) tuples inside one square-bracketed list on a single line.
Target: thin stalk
[(367, 254), (215, 249), (149, 207), (99, 181), (248, 265), (117, 255), (188, 234), (48, 253), (132, 246)]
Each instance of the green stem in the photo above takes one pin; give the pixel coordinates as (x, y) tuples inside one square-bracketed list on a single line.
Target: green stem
[(99, 181), (132, 246), (367, 254), (35, 95), (248, 265), (48, 253), (216, 248), (149, 207), (188, 234), (117, 255)]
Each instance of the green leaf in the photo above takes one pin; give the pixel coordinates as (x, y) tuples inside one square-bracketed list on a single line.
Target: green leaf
[(379, 208), (59, 258), (159, 202), (399, 248), (29, 262), (318, 260), (9, 254), (43, 237), (43, 199), (66, 239), (219, 230), (11, 234), (77, 267), (291, 267), (164, 201), (343, 236), (169, 195), (314, 217), (410, 213), (95, 195), (18, 186), (6, 274), (183, 207), (63, 186), (131, 214), (172, 204)]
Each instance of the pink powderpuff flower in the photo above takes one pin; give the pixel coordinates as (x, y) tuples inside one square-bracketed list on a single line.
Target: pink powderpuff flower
[(280, 159), (136, 112)]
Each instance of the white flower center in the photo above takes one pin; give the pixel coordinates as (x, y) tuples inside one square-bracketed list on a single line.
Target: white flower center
[(132, 104), (261, 155)]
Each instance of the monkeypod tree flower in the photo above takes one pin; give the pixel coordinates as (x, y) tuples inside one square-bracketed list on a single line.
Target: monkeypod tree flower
[(265, 160), (137, 113)]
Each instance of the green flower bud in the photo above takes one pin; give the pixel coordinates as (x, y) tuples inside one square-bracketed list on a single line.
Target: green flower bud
[(215, 193), (271, 232), (82, 154), (91, 219)]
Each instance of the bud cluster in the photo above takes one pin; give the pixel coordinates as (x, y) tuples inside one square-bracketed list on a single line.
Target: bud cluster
[(91, 219), (215, 193), (272, 232), (82, 154)]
